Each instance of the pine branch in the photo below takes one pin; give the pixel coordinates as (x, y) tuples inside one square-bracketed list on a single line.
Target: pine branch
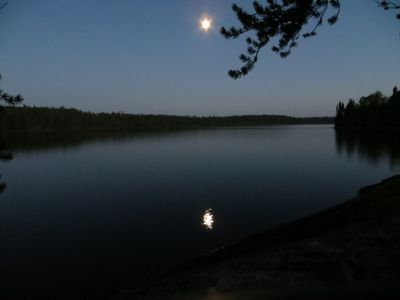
[(277, 20)]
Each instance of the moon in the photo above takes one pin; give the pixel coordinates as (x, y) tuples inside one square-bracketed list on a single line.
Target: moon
[(205, 24)]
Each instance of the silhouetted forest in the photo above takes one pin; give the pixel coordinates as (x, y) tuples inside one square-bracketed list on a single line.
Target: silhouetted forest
[(45, 119), (375, 111)]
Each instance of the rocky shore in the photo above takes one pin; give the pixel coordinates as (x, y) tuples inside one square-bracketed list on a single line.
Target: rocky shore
[(351, 251)]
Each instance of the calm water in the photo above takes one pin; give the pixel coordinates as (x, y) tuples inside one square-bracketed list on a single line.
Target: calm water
[(96, 212)]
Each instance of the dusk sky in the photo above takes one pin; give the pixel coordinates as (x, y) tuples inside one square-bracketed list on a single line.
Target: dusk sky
[(141, 56)]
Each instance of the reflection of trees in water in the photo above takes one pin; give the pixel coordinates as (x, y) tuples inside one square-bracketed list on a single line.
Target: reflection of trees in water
[(50, 140), (26, 141), (370, 145), (4, 156)]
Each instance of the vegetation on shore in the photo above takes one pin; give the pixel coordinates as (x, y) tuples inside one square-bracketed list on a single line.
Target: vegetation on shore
[(375, 111), (27, 118)]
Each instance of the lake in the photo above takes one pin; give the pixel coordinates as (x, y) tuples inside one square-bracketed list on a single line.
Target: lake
[(105, 211)]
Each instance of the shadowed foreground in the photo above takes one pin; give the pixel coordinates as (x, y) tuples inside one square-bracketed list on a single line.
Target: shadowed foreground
[(351, 251)]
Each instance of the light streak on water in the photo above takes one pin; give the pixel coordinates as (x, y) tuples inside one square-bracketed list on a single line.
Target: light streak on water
[(208, 219)]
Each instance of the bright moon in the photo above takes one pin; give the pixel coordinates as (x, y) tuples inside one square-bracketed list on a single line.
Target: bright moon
[(205, 24)]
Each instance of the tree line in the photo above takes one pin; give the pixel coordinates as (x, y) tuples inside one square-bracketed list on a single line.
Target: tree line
[(26, 118), (375, 111)]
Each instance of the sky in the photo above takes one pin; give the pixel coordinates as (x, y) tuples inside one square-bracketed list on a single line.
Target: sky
[(150, 57)]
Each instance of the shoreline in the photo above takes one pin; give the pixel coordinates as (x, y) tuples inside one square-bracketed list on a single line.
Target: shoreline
[(349, 250)]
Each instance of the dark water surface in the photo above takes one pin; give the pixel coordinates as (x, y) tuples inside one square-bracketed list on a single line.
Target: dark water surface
[(96, 212)]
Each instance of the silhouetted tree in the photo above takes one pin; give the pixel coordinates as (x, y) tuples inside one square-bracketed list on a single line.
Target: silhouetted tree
[(281, 23), (386, 5), (373, 111), (339, 113), (4, 97), (8, 100)]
